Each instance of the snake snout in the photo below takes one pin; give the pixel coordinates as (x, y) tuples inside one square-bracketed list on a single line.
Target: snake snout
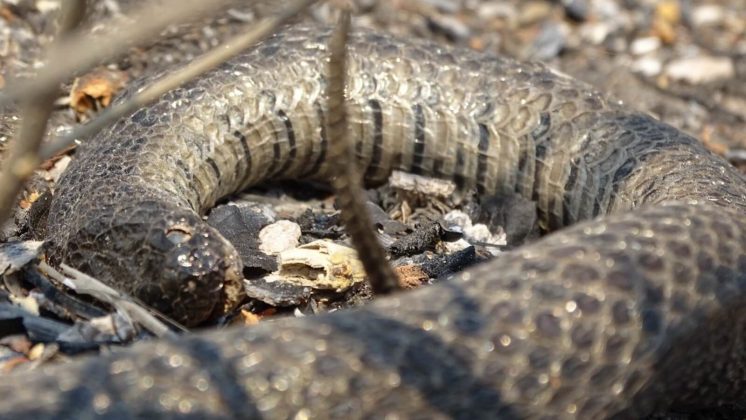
[(201, 270)]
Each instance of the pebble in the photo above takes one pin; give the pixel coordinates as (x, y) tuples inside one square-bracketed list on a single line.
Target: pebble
[(576, 10), (496, 9), (595, 32), (450, 26), (533, 11), (647, 66), (457, 218), (548, 44), (698, 70), (708, 14), (280, 236), (446, 6), (642, 46), (456, 246)]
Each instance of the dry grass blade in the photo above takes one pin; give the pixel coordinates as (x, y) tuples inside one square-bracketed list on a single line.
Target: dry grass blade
[(346, 179), (253, 34), (70, 54), (85, 284), (35, 111), (79, 52)]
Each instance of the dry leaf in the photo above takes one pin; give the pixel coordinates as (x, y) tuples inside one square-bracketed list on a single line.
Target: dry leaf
[(95, 91)]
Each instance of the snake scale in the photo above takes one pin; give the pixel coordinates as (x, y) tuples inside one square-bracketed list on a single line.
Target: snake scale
[(639, 306)]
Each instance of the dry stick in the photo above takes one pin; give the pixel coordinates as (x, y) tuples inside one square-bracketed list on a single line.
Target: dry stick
[(35, 111), (82, 283), (70, 54), (80, 51), (253, 34), (346, 179)]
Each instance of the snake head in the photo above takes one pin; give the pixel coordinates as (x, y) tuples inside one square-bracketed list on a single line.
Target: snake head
[(197, 274), (155, 250)]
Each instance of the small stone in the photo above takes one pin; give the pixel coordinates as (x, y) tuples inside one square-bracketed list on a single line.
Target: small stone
[(648, 66), (496, 9), (447, 6), (707, 15), (549, 43), (533, 11), (451, 27), (595, 32), (576, 10), (698, 70), (480, 234), (36, 351), (279, 236), (641, 46), (457, 218), (456, 246)]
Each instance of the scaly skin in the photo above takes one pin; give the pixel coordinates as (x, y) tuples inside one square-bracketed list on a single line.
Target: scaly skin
[(621, 315)]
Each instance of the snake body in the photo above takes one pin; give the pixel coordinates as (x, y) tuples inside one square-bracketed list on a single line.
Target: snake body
[(633, 311)]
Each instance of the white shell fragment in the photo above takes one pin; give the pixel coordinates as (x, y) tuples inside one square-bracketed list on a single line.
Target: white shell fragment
[(320, 264), (280, 236)]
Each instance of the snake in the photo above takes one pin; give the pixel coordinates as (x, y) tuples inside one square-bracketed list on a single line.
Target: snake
[(634, 302)]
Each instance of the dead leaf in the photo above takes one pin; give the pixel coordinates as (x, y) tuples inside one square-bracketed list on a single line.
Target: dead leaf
[(95, 91)]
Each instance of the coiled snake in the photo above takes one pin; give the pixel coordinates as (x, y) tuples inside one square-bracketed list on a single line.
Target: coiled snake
[(622, 315)]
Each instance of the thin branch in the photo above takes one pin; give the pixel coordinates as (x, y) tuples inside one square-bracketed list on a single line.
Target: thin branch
[(77, 52), (208, 61), (35, 111), (82, 283), (345, 177)]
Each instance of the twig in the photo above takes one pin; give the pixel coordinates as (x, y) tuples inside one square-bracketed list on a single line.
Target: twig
[(77, 52), (35, 111), (345, 178), (253, 33), (84, 284)]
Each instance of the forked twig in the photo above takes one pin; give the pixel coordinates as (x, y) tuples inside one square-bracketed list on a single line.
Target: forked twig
[(35, 111), (77, 52), (253, 34)]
